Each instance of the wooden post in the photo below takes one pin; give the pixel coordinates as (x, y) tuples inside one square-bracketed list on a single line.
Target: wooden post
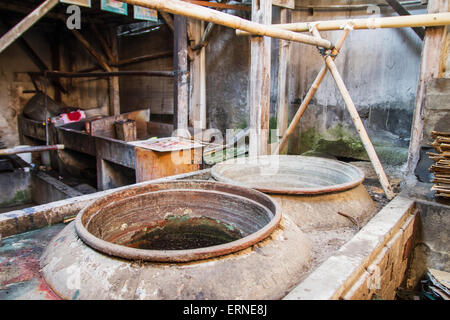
[(259, 98), (26, 23), (283, 97), (197, 101), (180, 110), (429, 68), (113, 82)]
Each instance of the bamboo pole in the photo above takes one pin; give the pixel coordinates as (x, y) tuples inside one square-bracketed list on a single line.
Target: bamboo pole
[(418, 20), (202, 13), (310, 94), (26, 23), (5, 152), (358, 124)]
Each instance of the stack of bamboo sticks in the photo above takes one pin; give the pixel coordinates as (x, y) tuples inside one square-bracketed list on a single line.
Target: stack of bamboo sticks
[(441, 167)]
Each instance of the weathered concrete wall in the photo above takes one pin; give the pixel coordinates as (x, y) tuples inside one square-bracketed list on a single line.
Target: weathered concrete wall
[(380, 68), (227, 79), (15, 188), (46, 189)]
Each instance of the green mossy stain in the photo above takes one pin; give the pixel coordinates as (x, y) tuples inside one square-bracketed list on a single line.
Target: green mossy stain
[(21, 197), (339, 141)]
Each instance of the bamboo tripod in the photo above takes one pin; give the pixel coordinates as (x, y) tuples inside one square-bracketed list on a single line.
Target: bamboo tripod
[(196, 12), (329, 57)]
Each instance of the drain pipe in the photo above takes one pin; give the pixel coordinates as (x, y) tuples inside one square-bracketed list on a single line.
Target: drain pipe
[(10, 151)]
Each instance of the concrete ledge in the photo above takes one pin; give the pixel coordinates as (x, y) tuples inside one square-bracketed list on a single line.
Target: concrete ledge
[(343, 271), (32, 218)]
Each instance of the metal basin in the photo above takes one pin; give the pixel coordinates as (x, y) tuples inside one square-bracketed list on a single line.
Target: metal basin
[(177, 221)]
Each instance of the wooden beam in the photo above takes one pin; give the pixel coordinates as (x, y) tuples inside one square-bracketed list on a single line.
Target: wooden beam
[(202, 13), (26, 23), (180, 112), (429, 68), (126, 62), (97, 56), (148, 57), (219, 5), (113, 82), (283, 58), (420, 31), (106, 49), (59, 74), (259, 98), (168, 20)]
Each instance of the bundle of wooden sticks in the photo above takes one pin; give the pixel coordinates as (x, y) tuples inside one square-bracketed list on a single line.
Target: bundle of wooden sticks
[(441, 166)]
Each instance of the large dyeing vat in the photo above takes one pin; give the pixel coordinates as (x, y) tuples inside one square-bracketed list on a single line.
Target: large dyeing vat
[(178, 240), (317, 193)]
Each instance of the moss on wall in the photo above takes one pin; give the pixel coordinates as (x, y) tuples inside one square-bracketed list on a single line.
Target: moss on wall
[(341, 142), (20, 197)]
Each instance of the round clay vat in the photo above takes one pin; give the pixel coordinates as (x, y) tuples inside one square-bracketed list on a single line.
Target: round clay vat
[(312, 191), (178, 240)]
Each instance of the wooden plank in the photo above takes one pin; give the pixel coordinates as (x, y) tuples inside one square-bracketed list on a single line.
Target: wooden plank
[(115, 151), (31, 128), (76, 140), (289, 4), (152, 164), (26, 23), (429, 68), (283, 95), (125, 130), (259, 97), (104, 127), (181, 93)]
